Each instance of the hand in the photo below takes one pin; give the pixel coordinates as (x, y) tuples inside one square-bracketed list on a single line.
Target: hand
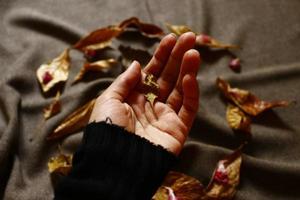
[(175, 65)]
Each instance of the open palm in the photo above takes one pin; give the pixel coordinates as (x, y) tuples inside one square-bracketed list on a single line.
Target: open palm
[(168, 121)]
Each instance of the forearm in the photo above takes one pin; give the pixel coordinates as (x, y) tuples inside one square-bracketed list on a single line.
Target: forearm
[(112, 164)]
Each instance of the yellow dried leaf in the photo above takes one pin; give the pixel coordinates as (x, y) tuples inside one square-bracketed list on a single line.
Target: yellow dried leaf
[(54, 72), (60, 164), (237, 119), (53, 108), (150, 81), (151, 98), (178, 29), (74, 122), (97, 66), (161, 194)]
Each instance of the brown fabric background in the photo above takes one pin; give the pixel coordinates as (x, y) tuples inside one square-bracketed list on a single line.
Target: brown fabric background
[(32, 32)]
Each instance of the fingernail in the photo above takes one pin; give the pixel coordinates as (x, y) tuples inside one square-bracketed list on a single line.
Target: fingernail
[(173, 35), (133, 64)]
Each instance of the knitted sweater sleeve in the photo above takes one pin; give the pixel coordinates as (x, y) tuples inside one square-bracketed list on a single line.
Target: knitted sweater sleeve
[(113, 164)]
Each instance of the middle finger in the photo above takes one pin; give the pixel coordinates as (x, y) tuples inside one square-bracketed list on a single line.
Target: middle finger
[(169, 75)]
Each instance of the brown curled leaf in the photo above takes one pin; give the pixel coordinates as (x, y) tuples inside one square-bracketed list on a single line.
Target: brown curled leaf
[(247, 101), (53, 108), (98, 66), (101, 38), (178, 186), (237, 119), (178, 29), (146, 29), (74, 122), (226, 178), (98, 39), (54, 72), (208, 41), (60, 164)]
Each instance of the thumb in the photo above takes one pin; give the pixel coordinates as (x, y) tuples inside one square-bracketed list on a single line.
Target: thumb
[(123, 85)]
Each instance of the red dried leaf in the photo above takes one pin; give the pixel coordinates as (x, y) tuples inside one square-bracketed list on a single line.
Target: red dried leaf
[(53, 108), (97, 66), (149, 30), (247, 101), (54, 72), (226, 178), (98, 39), (237, 119), (179, 186), (74, 122)]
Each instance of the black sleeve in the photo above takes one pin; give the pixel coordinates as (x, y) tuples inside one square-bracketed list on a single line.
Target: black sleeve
[(113, 164)]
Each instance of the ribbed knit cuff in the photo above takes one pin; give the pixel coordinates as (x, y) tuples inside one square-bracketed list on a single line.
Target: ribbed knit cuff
[(116, 164)]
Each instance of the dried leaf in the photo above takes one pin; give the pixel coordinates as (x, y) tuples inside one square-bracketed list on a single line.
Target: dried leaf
[(237, 119), (60, 164), (151, 98), (101, 38), (148, 30), (98, 39), (98, 46), (151, 82), (179, 186), (226, 178), (130, 54), (53, 108), (205, 40), (161, 194), (201, 39), (54, 72), (74, 122), (247, 101), (178, 29), (150, 88), (171, 194), (97, 66)]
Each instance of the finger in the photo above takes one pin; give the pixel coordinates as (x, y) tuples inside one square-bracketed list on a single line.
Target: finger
[(169, 75), (161, 55), (122, 86), (190, 104), (190, 65)]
